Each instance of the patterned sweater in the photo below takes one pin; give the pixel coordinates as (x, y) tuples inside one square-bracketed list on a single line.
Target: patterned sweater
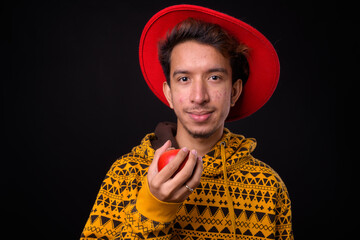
[(239, 197)]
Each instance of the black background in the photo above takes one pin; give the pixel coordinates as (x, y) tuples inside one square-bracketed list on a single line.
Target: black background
[(74, 100)]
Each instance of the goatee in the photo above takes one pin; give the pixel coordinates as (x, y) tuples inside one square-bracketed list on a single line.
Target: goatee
[(202, 135)]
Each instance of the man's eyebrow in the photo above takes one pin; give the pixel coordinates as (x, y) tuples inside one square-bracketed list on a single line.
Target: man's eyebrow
[(180, 72), (211, 70), (220, 69)]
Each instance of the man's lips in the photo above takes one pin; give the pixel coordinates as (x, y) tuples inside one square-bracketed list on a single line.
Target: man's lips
[(200, 116)]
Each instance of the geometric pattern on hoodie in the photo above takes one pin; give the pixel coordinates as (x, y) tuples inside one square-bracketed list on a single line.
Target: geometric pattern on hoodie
[(250, 202)]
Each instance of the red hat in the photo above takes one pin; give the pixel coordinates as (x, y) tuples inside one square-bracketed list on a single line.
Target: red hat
[(263, 61)]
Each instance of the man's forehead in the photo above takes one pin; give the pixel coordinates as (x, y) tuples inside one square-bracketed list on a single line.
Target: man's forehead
[(193, 55)]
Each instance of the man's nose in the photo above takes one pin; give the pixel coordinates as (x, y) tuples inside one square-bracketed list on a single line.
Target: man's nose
[(199, 92)]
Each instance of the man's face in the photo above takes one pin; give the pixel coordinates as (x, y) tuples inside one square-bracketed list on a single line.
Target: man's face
[(201, 91)]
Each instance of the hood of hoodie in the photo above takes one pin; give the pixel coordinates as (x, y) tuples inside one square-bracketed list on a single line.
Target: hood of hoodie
[(235, 148)]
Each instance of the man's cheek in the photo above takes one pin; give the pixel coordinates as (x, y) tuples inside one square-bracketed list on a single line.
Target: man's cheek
[(218, 95), (179, 100)]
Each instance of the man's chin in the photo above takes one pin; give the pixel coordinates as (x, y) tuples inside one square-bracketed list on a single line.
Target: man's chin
[(201, 133)]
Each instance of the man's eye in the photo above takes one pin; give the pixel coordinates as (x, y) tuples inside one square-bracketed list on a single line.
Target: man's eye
[(183, 79), (214, 77)]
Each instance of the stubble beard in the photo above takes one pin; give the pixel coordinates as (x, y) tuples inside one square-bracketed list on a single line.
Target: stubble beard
[(200, 135)]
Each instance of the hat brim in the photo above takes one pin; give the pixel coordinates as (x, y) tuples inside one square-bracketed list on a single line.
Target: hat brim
[(263, 60)]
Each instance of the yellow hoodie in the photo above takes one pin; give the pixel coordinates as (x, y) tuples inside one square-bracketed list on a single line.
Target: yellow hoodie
[(239, 197)]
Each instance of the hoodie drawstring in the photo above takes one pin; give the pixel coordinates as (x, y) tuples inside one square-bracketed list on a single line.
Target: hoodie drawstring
[(231, 204)]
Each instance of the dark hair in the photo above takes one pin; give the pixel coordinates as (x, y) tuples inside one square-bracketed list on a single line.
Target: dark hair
[(210, 34)]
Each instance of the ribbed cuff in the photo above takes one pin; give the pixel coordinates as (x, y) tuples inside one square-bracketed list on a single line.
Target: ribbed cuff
[(152, 208)]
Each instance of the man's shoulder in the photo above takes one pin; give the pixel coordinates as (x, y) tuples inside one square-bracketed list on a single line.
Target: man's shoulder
[(138, 159), (260, 172), (248, 164), (129, 164)]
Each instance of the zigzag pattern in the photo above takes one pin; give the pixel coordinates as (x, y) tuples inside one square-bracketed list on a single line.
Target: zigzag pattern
[(262, 207)]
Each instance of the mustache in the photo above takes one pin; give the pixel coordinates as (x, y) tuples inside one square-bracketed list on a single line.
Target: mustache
[(199, 109)]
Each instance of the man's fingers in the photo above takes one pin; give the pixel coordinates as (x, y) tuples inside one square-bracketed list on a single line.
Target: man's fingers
[(184, 174), (153, 169), (168, 171), (194, 181), (183, 192), (167, 187), (160, 151)]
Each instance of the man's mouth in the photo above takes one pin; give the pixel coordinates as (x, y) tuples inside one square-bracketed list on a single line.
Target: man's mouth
[(200, 116)]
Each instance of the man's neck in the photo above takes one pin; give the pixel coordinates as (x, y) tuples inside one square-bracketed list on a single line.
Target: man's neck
[(201, 145)]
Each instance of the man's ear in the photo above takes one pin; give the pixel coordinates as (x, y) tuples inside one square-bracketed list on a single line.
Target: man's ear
[(236, 91), (167, 93)]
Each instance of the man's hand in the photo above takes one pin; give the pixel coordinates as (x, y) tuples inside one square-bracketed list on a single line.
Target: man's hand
[(168, 189)]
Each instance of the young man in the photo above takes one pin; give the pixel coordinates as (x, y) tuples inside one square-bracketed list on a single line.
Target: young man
[(222, 192)]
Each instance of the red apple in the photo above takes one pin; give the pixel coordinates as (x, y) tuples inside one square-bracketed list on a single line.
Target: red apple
[(167, 156)]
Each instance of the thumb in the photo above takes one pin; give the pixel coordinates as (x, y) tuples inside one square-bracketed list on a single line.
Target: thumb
[(153, 168), (161, 150)]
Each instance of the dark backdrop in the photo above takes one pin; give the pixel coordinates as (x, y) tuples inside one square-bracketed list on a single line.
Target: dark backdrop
[(74, 100)]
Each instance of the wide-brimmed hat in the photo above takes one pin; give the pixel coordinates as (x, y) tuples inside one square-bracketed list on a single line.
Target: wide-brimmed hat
[(264, 67)]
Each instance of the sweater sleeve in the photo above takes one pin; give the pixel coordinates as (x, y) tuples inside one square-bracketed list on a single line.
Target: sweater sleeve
[(148, 217), (283, 217), (125, 207)]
